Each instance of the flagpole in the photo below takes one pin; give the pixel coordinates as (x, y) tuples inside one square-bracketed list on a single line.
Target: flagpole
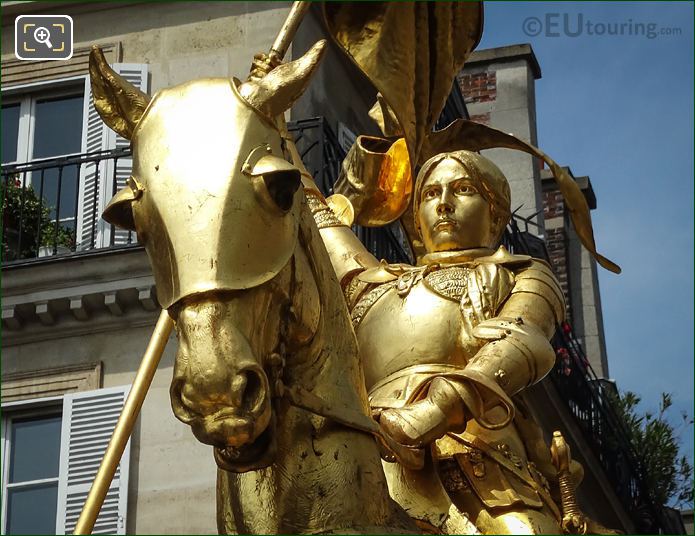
[(125, 424)]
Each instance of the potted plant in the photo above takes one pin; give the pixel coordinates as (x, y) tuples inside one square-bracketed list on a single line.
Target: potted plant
[(53, 243), (27, 228)]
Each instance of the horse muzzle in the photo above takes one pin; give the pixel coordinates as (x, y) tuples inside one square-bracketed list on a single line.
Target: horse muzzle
[(219, 388), (225, 419)]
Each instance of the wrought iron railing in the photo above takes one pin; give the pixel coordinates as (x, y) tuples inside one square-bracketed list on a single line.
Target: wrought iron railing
[(37, 220), (591, 401), (47, 210)]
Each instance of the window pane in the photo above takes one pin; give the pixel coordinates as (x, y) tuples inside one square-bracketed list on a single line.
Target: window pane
[(57, 127), (35, 448), (10, 132), (68, 190), (32, 510)]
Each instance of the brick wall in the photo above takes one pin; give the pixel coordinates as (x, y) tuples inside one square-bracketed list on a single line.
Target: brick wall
[(556, 238), (481, 118), (553, 204), (478, 87)]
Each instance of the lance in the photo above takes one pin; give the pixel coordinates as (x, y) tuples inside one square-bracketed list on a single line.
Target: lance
[(286, 34), (155, 348)]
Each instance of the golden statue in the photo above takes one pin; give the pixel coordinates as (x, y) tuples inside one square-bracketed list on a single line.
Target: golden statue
[(267, 370), (445, 345)]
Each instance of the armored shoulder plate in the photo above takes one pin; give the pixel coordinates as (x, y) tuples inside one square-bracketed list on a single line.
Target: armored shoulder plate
[(366, 300), (539, 279), (488, 286)]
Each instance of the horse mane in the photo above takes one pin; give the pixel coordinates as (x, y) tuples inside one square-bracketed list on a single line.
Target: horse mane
[(328, 478), (333, 354)]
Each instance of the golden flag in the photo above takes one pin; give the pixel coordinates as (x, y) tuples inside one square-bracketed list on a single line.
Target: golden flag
[(411, 52)]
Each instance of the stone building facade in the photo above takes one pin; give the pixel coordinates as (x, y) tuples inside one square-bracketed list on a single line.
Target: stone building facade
[(75, 325)]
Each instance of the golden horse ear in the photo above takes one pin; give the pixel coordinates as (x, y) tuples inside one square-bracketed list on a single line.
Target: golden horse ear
[(281, 87), (119, 103)]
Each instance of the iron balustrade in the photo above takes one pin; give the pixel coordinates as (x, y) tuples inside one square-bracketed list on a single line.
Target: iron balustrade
[(37, 224), (590, 400), (27, 212)]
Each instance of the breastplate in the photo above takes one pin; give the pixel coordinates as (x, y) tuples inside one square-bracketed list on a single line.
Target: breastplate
[(414, 319)]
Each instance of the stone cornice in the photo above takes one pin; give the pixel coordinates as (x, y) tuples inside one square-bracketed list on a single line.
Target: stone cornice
[(505, 55), (77, 294), (583, 182)]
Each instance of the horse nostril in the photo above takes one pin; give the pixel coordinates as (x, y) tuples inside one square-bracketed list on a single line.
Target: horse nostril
[(181, 410), (238, 389), (248, 388)]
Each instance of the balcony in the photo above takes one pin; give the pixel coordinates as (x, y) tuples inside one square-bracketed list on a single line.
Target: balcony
[(36, 221), (589, 400), (36, 225)]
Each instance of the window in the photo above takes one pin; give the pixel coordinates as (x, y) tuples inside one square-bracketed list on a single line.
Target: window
[(46, 124), (100, 181), (55, 119), (10, 132), (33, 459), (51, 451)]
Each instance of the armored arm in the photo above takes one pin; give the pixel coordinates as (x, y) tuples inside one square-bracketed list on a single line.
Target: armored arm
[(348, 255), (517, 353)]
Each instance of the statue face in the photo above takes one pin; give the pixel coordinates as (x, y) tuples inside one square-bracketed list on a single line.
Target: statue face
[(452, 213)]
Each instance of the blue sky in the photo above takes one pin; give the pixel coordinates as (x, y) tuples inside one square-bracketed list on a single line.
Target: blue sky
[(619, 108)]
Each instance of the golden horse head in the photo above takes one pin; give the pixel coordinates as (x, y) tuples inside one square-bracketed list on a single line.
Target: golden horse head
[(214, 199)]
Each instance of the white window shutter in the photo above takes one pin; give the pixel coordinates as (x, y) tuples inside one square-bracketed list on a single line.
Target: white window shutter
[(100, 181), (95, 137), (88, 422)]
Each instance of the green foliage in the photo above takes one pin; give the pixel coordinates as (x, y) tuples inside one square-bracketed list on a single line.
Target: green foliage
[(667, 475), (22, 209)]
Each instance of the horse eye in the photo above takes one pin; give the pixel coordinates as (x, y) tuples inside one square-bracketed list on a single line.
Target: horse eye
[(281, 186)]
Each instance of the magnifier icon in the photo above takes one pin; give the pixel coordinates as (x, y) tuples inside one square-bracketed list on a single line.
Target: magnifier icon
[(43, 36)]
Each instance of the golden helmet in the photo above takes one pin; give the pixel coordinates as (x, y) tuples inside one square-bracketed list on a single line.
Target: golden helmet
[(212, 195)]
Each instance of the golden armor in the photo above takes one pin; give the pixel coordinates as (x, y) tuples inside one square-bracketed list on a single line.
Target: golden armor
[(447, 343)]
